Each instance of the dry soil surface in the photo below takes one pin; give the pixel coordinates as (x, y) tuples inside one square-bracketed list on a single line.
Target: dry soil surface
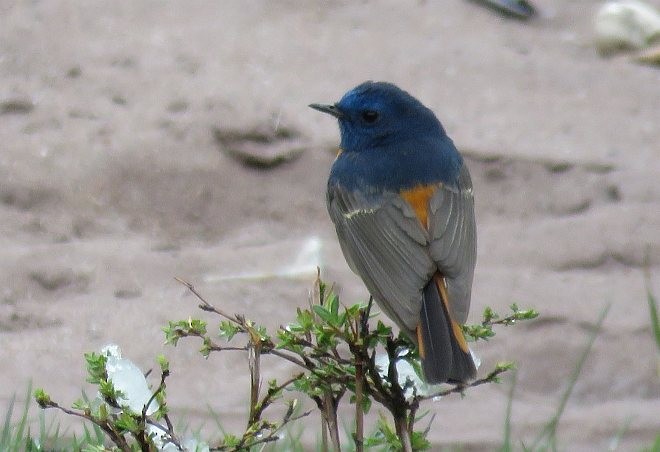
[(113, 182)]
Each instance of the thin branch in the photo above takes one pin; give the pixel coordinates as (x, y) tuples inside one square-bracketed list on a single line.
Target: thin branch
[(267, 347), (359, 408), (206, 306), (360, 332), (399, 407), (365, 316), (319, 352), (254, 362), (170, 428), (490, 378), (266, 401), (116, 437), (285, 356), (401, 424), (271, 437), (330, 413), (381, 394)]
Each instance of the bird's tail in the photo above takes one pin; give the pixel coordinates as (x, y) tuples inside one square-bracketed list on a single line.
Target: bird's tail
[(442, 347)]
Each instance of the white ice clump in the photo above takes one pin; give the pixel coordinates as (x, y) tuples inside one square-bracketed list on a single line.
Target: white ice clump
[(475, 358), (160, 438), (406, 371), (129, 379), (111, 350), (626, 24), (189, 444), (193, 445)]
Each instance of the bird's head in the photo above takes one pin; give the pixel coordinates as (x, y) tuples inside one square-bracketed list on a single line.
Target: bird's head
[(376, 115)]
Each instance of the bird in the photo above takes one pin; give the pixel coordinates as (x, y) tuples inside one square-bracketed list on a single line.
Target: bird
[(400, 197)]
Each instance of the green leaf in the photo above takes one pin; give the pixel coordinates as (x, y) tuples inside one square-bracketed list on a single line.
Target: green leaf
[(383, 330), (341, 319), (206, 348), (228, 329), (93, 448), (81, 404), (478, 331), (323, 313), (96, 367), (42, 398), (489, 315), (103, 412), (504, 366), (107, 390), (385, 436), (419, 442), (182, 328), (230, 441), (127, 423), (523, 314), (333, 303), (305, 320), (164, 364)]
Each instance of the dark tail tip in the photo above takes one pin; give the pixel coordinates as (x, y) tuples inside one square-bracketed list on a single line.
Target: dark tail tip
[(442, 347)]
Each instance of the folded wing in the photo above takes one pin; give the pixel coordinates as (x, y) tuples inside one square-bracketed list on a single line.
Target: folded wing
[(386, 246), (396, 256), (453, 246)]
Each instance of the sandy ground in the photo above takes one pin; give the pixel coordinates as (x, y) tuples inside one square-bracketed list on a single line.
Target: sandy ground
[(112, 182)]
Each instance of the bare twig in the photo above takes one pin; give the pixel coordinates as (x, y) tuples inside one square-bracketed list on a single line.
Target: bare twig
[(330, 406), (206, 306), (254, 360), (401, 424), (115, 436), (398, 405), (490, 378), (359, 408), (240, 321), (172, 438), (360, 332), (267, 400)]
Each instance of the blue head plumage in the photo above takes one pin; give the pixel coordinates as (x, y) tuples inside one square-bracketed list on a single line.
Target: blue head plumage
[(390, 140)]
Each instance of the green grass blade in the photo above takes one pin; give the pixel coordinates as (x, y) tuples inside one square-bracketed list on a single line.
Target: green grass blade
[(22, 429), (653, 312), (655, 447), (616, 439), (549, 432), (16, 436), (506, 442), (5, 437)]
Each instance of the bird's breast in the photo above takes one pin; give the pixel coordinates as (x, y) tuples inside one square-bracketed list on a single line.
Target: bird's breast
[(407, 169)]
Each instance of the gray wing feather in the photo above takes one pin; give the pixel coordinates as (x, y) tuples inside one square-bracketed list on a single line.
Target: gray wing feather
[(384, 244), (454, 241)]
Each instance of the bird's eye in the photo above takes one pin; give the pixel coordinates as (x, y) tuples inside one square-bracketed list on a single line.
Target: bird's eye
[(370, 116)]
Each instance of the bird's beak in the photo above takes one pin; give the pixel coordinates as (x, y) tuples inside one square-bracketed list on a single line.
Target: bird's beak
[(329, 109)]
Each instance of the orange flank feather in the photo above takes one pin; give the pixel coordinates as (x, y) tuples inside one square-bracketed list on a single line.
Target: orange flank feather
[(455, 327), (418, 198), (420, 342)]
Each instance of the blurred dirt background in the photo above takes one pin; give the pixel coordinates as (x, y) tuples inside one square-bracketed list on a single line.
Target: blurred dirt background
[(114, 122)]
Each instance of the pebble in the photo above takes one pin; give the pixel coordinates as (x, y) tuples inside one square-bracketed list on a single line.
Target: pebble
[(16, 105), (261, 147)]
